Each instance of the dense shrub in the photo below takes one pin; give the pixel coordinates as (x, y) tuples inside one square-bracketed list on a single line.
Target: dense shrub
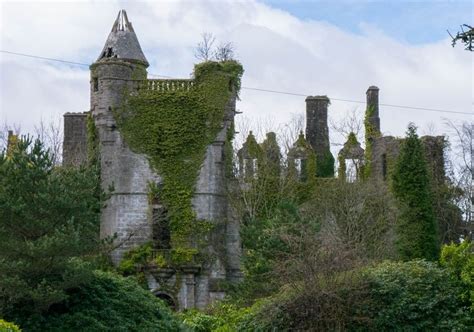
[(108, 303), (8, 327), (393, 296), (415, 296), (313, 310), (459, 260), (220, 317)]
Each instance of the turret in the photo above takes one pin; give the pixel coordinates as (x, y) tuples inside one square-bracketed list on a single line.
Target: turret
[(116, 73), (249, 157), (299, 156), (120, 64)]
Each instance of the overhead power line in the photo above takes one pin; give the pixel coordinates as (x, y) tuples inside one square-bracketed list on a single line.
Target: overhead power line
[(250, 88), (45, 58), (362, 102)]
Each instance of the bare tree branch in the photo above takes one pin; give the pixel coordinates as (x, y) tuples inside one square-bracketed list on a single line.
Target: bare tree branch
[(205, 48)]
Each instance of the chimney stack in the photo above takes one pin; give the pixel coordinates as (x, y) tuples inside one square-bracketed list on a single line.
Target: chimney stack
[(372, 111), (317, 132)]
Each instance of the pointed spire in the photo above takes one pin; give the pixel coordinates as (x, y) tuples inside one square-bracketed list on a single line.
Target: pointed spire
[(122, 23), (122, 42)]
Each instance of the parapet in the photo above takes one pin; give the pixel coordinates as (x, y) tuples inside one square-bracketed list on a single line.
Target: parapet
[(166, 85)]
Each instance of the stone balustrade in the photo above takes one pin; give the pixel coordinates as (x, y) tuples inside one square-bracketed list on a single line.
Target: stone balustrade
[(167, 85)]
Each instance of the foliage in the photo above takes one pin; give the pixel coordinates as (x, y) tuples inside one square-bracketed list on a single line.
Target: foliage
[(361, 214), (49, 229), (392, 296), (415, 296), (108, 303), (8, 327), (327, 310), (325, 165), (371, 133), (262, 245), (173, 128), (459, 260), (92, 141), (219, 317), (416, 229)]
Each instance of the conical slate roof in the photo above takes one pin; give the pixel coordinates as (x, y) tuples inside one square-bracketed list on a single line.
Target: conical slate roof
[(122, 42)]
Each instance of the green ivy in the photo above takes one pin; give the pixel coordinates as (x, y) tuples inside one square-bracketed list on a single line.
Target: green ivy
[(173, 128), (92, 141), (371, 133)]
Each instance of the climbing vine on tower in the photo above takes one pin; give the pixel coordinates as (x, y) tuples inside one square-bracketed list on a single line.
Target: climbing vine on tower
[(173, 127)]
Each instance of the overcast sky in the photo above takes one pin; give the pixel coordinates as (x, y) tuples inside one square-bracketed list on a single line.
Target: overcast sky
[(334, 48)]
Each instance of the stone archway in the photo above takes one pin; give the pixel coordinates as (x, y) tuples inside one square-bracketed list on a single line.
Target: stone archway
[(168, 299)]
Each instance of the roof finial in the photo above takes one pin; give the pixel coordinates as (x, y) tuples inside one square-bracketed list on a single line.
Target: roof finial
[(122, 23)]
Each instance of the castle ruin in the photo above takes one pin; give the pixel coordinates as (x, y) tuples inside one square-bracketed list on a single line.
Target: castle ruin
[(121, 64), (134, 219)]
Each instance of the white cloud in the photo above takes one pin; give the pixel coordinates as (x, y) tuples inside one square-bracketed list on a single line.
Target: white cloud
[(278, 51)]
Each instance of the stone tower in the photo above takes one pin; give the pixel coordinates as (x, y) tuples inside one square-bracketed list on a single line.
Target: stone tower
[(119, 64), (129, 215)]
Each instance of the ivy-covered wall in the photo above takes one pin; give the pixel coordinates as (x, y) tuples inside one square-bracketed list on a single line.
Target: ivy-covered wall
[(173, 128)]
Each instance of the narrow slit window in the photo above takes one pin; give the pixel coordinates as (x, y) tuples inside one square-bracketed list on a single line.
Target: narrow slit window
[(95, 83)]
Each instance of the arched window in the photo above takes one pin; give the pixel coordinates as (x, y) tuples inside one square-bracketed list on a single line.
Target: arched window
[(351, 170)]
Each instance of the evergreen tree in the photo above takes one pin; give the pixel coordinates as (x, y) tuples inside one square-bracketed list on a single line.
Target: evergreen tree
[(49, 228), (416, 228)]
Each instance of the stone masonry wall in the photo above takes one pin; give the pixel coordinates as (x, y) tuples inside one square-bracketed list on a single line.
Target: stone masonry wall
[(75, 139), (126, 212), (210, 203), (387, 148)]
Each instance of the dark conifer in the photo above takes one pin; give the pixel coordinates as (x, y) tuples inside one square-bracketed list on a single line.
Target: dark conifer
[(416, 229)]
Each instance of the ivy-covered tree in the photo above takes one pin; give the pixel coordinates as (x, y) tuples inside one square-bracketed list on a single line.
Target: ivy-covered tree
[(416, 228), (49, 228)]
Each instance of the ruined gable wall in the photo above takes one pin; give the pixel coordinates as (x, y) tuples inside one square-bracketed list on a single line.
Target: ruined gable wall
[(387, 148)]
